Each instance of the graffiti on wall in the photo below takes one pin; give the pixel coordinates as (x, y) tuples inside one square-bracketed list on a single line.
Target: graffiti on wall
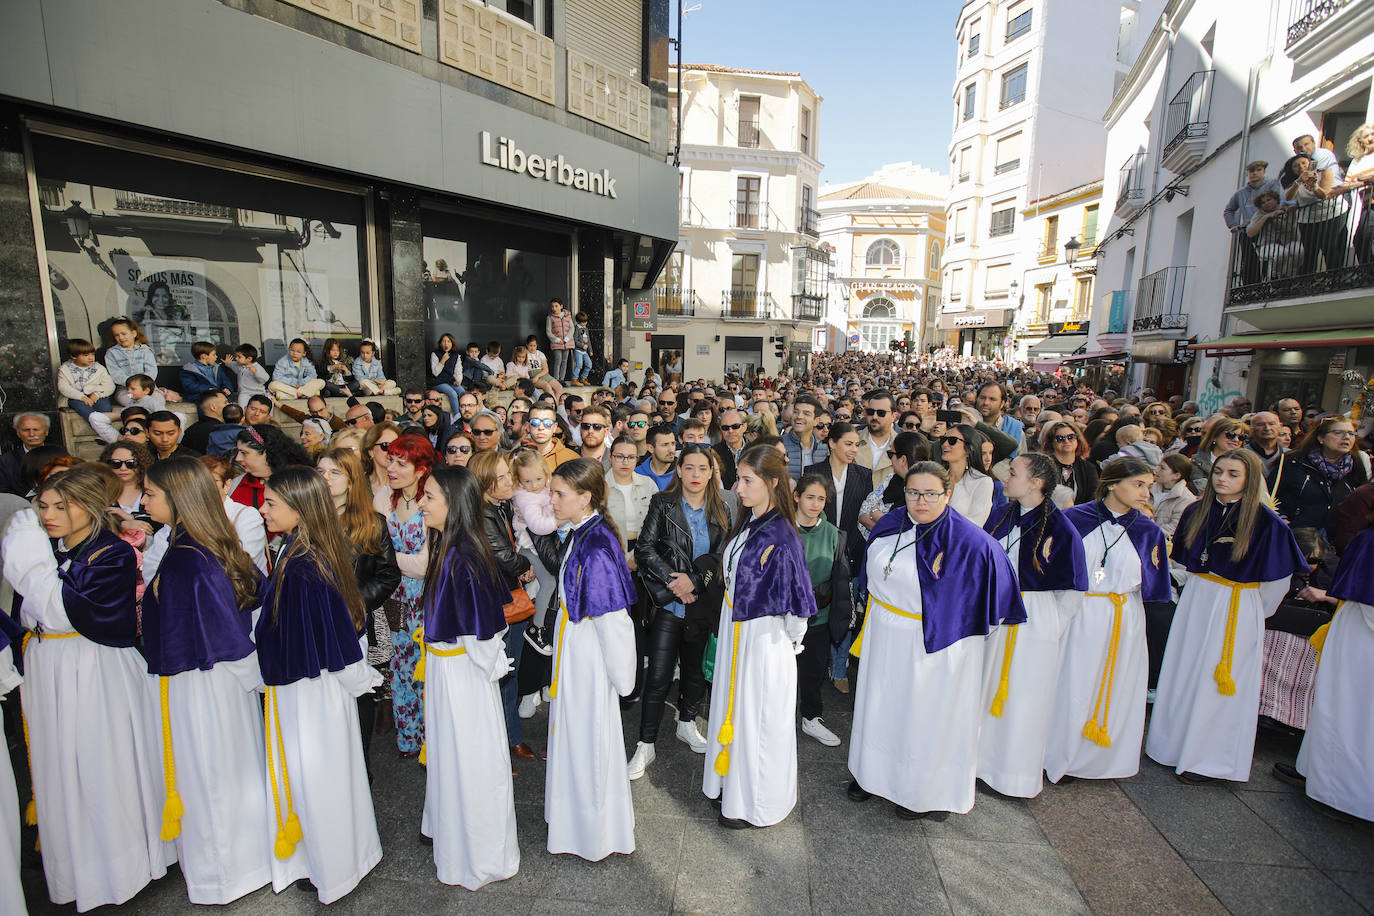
[(1212, 398)]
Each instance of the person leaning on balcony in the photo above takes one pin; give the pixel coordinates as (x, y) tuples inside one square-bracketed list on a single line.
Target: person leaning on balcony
[(1273, 231), (1240, 211), (1322, 209), (1361, 152)]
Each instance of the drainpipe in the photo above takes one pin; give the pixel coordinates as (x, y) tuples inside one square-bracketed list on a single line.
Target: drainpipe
[(1160, 119), (1252, 90)]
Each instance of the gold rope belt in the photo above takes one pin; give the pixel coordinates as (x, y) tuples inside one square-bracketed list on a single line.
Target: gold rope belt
[(419, 676), (857, 647), (1226, 684)]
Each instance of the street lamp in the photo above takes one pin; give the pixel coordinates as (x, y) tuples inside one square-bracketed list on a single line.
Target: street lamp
[(1071, 250), (78, 222)]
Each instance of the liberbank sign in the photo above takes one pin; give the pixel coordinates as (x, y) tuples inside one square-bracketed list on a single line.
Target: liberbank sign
[(502, 153)]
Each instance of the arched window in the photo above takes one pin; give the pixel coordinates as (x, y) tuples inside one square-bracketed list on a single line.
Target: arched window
[(883, 253), (934, 262), (880, 308)]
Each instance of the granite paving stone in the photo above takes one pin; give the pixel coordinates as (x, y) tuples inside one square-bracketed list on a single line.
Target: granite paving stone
[(1260, 890), (984, 877), (1209, 822)]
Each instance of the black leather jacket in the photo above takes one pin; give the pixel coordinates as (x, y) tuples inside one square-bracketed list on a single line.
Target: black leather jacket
[(500, 529), (377, 573), (665, 547)]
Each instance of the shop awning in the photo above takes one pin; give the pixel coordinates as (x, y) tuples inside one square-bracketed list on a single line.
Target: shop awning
[(1059, 345), (1284, 340), (1105, 355)]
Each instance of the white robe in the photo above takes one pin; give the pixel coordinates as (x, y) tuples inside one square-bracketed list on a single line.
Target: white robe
[(217, 745), (469, 797), (11, 891), (1337, 755), (761, 783), (916, 715), (94, 743), (1082, 669), (1195, 728), (587, 802), (329, 791), (1011, 747)]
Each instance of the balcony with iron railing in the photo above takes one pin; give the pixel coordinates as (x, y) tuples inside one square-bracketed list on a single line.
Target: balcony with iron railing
[(749, 135), (1320, 29), (1160, 304), (807, 308), (752, 214), (745, 304), (1186, 123), (1312, 251), (676, 302), (808, 222), (1130, 192)]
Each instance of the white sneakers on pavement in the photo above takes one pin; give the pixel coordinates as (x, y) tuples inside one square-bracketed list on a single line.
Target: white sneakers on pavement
[(528, 704), (690, 735), (644, 755), (816, 729)]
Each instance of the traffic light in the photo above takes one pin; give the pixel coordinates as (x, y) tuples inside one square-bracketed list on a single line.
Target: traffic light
[(894, 345), (780, 349)]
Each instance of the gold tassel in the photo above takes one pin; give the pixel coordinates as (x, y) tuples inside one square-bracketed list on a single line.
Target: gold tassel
[(172, 808), (1095, 729), (289, 830), (726, 735), (999, 699), (419, 638)]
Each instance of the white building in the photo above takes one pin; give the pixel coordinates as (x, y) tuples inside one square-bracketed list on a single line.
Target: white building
[(1057, 286), (885, 244), (1190, 314), (746, 285), (1031, 83)]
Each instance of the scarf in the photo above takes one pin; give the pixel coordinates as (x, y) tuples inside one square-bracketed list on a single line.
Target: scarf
[(1333, 470)]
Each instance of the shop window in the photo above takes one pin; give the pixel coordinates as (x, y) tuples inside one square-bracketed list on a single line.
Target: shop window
[(486, 280), (195, 253)]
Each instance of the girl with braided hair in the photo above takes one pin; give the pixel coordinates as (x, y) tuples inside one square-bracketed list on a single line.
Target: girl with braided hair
[(1021, 662)]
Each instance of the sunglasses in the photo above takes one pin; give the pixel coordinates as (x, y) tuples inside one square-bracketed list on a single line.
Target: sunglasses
[(1236, 437), (637, 424), (415, 400), (598, 427), (131, 431), (458, 450), (483, 432), (667, 402), (118, 463), (731, 427), (1065, 437), (952, 440), (876, 412), (541, 422), (822, 425), (841, 418), (352, 422), (891, 454), (911, 427)]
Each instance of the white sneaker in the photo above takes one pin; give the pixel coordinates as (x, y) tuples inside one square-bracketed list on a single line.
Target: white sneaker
[(644, 755), (528, 704), (690, 735), (546, 694), (816, 729)]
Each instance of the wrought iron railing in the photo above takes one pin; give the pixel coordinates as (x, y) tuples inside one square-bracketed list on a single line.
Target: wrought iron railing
[(748, 214), (676, 302), (745, 304), (808, 221), (749, 133), (1306, 15), (1159, 302), (1189, 111), (1132, 184), (1317, 249), (808, 308), (148, 203)]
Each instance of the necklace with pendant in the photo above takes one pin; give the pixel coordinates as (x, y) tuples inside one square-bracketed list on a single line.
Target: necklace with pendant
[(1100, 574), (1221, 529), (916, 539)]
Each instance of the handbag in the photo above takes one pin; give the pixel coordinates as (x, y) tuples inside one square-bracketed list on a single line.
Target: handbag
[(521, 606)]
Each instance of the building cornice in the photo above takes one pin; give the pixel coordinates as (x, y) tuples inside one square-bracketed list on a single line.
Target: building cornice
[(743, 155), (1059, 201)]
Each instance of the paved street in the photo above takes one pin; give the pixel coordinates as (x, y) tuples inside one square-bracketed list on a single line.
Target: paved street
[(1147, 844)]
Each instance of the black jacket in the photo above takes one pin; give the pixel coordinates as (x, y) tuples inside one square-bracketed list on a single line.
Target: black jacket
[(665, 547), (1307, 498), (858, 483), (727, 464), (836, 595), (377, 573), (500, 531)]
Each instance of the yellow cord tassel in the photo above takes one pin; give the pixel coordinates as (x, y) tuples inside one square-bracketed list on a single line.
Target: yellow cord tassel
[(558, 650), (726, 735), (288, 829), (172, 808), (999, 699), (1318, 637), (31, 809), (419, 678), (1095, 729), (1226, 684)]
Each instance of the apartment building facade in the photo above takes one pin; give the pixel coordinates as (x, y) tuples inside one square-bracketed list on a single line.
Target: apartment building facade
[(746, 284)]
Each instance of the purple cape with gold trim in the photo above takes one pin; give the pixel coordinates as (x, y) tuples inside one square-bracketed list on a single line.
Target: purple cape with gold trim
[(190, 618), (1354, 579), (1145, 536), (307, 630), (98, 589), (771, 578), (1062, 566), (967, 583), (596, 580), (466, 600), (1273, 553)]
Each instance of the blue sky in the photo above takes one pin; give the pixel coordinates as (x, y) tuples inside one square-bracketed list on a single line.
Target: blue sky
[(883, 67)]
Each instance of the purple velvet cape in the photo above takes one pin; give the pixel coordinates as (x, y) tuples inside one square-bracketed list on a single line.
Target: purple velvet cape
[(308, 630), (1273, 553), (1062, 568), (1145, 536), (190, 618), (1354, 579), (98, 590), (771, 578), (596, 580), (466, 600), (969, 591)]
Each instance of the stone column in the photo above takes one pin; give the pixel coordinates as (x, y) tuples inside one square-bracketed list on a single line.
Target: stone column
[(596, 288), (406, 331)]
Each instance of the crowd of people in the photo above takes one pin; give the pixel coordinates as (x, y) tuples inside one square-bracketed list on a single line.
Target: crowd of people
[(1001, 570)]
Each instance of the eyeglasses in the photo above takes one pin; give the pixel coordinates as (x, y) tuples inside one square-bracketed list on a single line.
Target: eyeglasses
[(924, 496), (458, 450), (637, 424), (1343, 433), (541, 422), (597, 427), (876, 412), (952, 440), (118, 463), (483, 432), (1065, 437), (615, 457)]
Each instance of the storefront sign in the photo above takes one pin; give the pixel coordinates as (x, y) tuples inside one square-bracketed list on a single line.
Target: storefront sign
[(1068, 327), (1337, 365), (506, 155), (969, 321), (643, 316), (978, 318)]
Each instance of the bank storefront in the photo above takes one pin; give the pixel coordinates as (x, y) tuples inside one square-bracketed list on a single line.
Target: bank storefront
[(413, 208)]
